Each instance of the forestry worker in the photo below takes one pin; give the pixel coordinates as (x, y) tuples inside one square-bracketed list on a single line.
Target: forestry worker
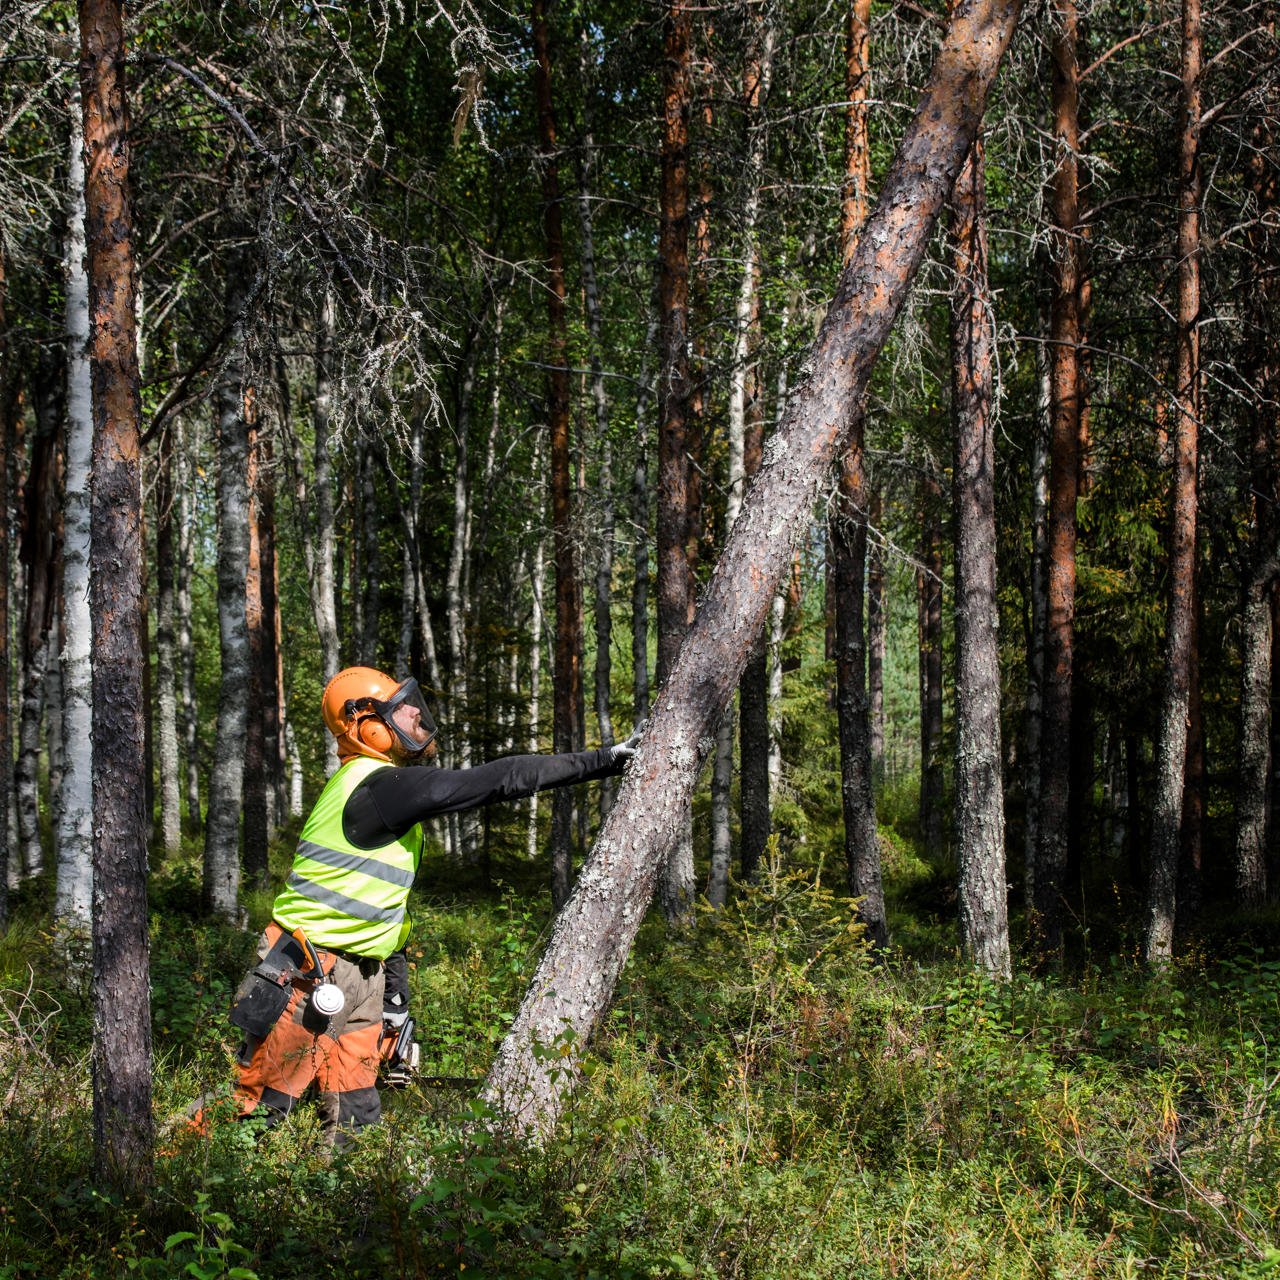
[(329, 994)]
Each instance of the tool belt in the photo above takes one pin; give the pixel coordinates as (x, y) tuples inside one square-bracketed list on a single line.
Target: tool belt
[(264, 994)]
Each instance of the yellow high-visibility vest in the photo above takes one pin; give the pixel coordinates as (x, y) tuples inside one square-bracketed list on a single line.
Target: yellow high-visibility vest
[(344, 898)]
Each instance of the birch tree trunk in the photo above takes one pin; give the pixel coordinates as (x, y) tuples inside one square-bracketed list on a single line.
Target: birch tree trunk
[(324, 603), (1065, 338), (121, 1008), (226, 783), (1171, 748), (593, 934), (73, 902), (979, 795), (536, 575), (567, 675)]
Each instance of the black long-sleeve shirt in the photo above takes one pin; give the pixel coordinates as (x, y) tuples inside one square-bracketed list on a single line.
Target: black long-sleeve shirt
[(389, 802)]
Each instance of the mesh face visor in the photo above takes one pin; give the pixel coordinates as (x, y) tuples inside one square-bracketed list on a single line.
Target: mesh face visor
[(405, 714)]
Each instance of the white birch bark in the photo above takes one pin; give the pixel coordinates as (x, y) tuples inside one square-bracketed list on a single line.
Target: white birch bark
[(73, 897), (323, 596)]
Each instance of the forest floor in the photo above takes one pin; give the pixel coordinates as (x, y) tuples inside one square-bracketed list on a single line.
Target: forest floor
[(762, 1101)]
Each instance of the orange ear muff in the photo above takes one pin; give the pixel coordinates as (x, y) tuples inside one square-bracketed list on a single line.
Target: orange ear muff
[(374, 734)]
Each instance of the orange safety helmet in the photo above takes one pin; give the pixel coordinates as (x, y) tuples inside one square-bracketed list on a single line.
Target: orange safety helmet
[(358, 704)]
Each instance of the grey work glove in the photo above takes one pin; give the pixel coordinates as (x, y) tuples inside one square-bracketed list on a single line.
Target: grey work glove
[(625, 750)]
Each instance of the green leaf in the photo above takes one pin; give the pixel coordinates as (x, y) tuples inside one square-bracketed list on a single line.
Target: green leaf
[(177, 1238)]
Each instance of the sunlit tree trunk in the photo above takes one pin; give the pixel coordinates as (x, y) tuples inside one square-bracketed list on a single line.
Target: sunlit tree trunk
[(1171, 742), (593, 934), (74, 895), (122, 1017), (979, 794), (167, 752), (324, 604), (256, 837)]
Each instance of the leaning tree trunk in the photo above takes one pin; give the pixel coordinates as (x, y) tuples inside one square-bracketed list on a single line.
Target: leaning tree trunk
[(73, 903), (567, 674), (979, 796), (1171, 749), (1065, 338), (592, 936), (121, 1009), (847, 530), (226, 785), (674, 585)]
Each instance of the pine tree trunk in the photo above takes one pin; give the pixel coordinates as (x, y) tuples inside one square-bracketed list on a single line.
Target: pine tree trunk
[(847, 529), (73, 904), (1190, 890), (1065, 338), (979, 793), (226, 783), (567, 674), (122, 1017), (593, 934), (1171, 749), (674, 585), (1255, 732)]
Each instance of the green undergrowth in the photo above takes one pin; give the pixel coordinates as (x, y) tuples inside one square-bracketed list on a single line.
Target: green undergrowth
[(762, 1100)]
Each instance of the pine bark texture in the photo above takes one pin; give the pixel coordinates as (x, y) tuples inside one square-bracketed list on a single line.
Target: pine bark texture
[(226, 782), (593, 934), (1065, 337), (847, 529), (1171, 741), (121, 1008), (567, 669), (979, 793), (73, 902)]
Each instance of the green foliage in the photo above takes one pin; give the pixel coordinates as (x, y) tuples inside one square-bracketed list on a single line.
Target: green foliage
[(762, 1100)]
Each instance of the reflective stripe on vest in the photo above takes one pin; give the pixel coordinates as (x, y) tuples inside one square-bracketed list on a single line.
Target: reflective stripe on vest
[(342, 897)]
